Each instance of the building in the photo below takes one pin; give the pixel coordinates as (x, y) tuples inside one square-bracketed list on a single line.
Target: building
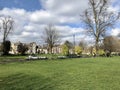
[(32, 48), (14, 47)]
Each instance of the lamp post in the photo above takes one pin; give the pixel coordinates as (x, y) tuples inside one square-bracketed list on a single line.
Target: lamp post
[(74, 43)]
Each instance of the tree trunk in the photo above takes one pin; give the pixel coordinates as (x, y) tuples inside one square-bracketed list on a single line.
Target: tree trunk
[(50, 50), (96, 46), (3, 46)]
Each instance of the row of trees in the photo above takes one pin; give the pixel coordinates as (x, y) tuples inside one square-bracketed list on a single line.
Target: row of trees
[(69, 48), (106, 47)]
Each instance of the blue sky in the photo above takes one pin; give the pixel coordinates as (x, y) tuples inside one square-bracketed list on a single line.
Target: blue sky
[(31, 17), (29, 5)]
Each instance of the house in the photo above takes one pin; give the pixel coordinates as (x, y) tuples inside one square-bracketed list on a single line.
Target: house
[(14, 47), (56, 49), (44, 49)]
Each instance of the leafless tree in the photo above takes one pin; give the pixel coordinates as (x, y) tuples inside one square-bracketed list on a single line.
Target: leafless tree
[(82, 44), (98, 19), (6, 26), (50, 37)]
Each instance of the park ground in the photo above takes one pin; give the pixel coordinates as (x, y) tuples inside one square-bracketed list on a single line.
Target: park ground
[(100, 73)]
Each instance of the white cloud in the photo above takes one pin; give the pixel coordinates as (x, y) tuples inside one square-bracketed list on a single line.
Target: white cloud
[(26, 33), (69, 31), (42, 16), (114, 9), (115, 32), (65, 7), (29, 28)]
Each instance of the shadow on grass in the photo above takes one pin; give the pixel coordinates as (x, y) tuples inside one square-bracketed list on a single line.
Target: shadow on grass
[(26, 82)]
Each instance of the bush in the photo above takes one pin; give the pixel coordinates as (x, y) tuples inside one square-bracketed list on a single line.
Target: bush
[(101, 52), (5, 47), (65, 50), (22, 48), (119, 54), (78, 50)]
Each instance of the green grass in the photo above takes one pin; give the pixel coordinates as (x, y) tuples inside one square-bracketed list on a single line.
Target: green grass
[(12, 57), (69, 74)]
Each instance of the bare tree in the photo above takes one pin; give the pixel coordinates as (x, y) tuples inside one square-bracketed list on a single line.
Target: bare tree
[(6, 26), (50, 37), (111, 44), (82, 44), (98, 19)]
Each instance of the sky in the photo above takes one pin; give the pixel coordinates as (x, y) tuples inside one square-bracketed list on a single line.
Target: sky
[(31, 17)]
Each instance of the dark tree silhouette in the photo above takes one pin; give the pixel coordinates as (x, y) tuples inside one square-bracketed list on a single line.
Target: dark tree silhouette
[(22, 48), (6, 45)]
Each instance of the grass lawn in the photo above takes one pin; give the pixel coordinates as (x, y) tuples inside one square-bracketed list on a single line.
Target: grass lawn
[(69, 74)]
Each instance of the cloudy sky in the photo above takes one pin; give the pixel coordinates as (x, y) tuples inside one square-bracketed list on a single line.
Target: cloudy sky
[(31, 17)]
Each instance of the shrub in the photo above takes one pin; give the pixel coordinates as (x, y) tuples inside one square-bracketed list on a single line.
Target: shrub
[(5, 47), (78, 50), (101, 52), (22, 48), (65, 50)]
